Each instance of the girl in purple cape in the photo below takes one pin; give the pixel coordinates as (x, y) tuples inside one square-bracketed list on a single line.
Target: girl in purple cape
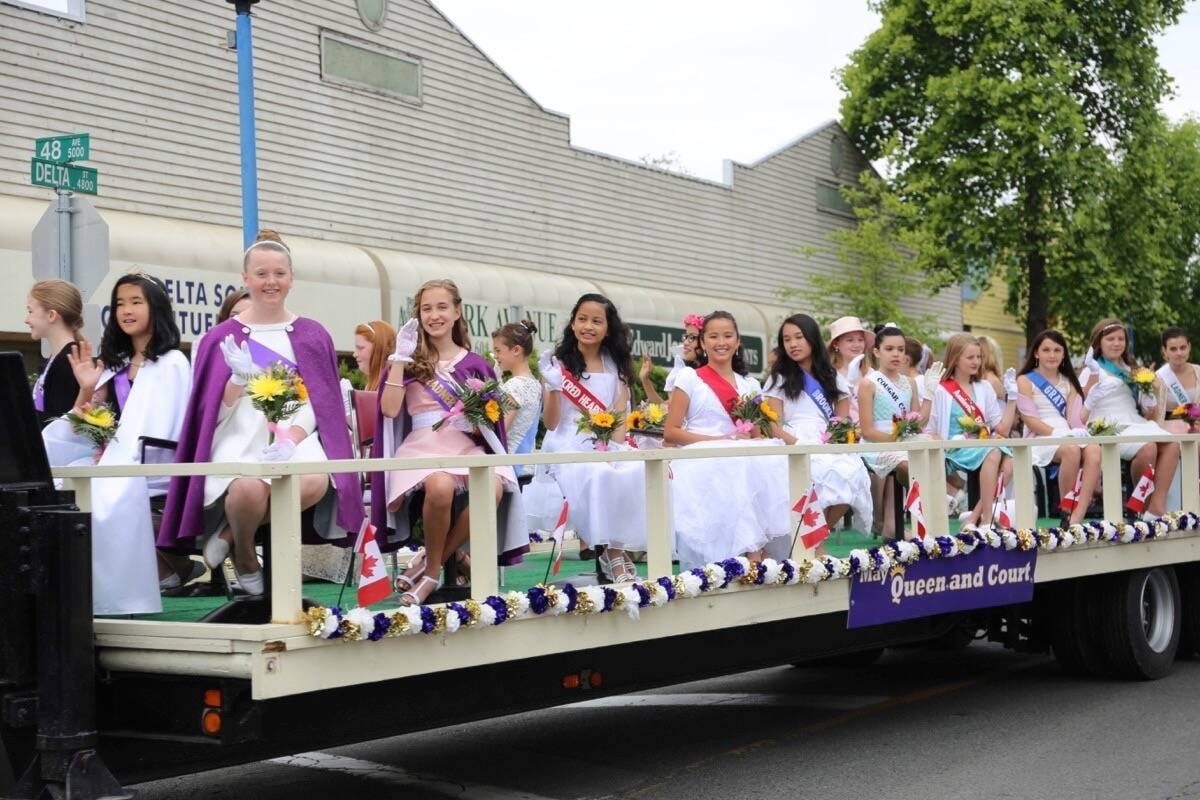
[(433, 352), (223, 426)]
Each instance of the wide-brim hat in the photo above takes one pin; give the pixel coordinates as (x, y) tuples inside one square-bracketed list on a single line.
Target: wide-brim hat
[(843, 325)]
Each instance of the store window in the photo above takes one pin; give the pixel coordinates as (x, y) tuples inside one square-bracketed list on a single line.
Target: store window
[(374, 69), (67, 9)]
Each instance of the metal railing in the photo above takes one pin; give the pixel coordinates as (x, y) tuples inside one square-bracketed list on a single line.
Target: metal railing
[(926, 464)]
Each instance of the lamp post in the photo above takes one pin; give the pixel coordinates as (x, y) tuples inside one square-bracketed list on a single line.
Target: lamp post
[(245, 57)]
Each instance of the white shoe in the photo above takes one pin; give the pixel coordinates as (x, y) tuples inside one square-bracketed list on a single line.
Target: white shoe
[(1148, 517), (173, 581), (251, 583), (216, 550)]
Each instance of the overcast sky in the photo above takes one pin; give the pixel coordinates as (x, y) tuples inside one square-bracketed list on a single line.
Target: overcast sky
[(736, 80)]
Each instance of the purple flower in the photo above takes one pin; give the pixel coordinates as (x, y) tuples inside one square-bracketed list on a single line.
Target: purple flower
[(380, 629), (703, 576), (498, 605), (668, 586), (428, 619), (338, 633), (464, 616), (572, 596), (789, 571), (733, 569), (538, 602), (474, 384), (610, 597), (643, 595)]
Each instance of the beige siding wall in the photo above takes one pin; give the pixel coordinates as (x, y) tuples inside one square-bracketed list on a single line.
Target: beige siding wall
[(477, 171)]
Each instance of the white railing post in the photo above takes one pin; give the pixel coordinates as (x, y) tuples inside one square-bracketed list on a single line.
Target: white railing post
[(933, 490), (82, 487), (286, 601), (1189, 473), (1110, 470), (1023, 487), (658, 520), (481, 491), (799, 481)]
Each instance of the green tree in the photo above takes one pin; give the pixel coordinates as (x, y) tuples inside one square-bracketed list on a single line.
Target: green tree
[(1003, 125)]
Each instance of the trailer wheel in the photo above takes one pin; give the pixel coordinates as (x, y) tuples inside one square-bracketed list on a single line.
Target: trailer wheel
[(7, 778), (1073, 635), (1189, 593), (1141, 618)]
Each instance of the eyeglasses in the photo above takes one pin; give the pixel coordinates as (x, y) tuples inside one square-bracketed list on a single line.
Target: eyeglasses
[(691, 337)]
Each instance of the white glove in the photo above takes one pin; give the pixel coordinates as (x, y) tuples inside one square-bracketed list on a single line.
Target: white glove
[(406, 341), (1010, 383), (854, 369), (1078, 433), (1089, 361), (933, 377), (1098, 392), (239, 360), (1147, 402), (551, 372), (282, 449), (677, 354)]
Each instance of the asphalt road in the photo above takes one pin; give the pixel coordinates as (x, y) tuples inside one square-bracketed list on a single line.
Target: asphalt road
[(977, 723)]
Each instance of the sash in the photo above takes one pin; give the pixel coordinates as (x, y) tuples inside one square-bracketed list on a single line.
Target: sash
[(1118, 373), (1173, 383), (574, 390), (39, 388), (964, 400), (726, 393), (264, 356), (1050, 391), (122, 386), (817, 394), (442, 391), (891, 391)]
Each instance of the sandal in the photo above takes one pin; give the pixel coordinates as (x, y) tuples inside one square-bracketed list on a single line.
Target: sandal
[(463, 559), (416, 567), (416, 599), (618, 569)]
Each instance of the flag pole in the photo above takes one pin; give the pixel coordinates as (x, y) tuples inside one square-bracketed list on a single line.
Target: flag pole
[(550, 562)]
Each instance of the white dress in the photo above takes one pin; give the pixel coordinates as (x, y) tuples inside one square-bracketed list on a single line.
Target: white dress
[(606, 502), (839, 479), (724, 507), (1047, 413), (526, 392), (1121, 408)]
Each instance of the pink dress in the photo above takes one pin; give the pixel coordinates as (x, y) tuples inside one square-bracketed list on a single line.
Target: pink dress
[(424, 442)]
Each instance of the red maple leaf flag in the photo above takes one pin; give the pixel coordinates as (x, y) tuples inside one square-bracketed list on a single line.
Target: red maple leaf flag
[(1072, 499), (560, 529), (912, 504), (1000, 503), (813, 528), (1141, 493), (373, 584)]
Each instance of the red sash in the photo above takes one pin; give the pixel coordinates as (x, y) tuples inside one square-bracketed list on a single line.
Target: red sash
[(726, 393), (963, 399), (574, 390)]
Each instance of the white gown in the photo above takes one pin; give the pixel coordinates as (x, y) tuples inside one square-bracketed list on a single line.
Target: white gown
[(839, 479), (124, 564), (1121, 407), (1047, 413), (606, 502), (724, 507)]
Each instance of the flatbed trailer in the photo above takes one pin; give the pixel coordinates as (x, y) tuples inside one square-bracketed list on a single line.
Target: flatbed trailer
[(173, 698)]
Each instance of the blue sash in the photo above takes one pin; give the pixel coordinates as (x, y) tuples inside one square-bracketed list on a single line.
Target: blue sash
[(1118, 373), (1051, 391), (814, 391)]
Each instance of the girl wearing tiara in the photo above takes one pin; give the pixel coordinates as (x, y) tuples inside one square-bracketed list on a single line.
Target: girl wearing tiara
[(419, 389), (512, 345), (965, 405), (684, 355), (803, 389), (1050, 401), (592, 372), (222, 425), (1109, 394), (722, 507)]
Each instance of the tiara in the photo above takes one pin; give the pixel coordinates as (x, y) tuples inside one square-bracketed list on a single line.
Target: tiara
[(1112, 326), (264, 243)]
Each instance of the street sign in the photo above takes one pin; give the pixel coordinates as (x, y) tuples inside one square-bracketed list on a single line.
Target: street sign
[(63, 149), (64, 177)]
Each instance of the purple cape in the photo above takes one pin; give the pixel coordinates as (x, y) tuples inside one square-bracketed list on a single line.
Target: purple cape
[(183, 517), (472, 365)]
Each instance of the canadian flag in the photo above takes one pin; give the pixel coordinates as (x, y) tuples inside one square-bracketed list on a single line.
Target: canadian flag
[(373, 584), (813, 528), (560, 529), (1141, 493), (1000, 504), (912, 504), (1071, 500)]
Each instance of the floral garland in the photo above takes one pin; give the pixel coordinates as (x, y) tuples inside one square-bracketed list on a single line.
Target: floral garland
[(361, 623)]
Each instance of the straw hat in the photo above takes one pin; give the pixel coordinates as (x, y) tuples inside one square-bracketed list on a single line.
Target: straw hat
[(844, 325)]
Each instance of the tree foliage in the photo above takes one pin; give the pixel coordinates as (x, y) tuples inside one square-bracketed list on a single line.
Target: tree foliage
[(1022, 134)]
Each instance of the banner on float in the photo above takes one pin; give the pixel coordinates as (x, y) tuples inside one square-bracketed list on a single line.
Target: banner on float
[(985, 578)]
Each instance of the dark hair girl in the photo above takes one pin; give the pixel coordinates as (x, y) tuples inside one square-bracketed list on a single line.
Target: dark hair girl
[(617, 343), (788, 374), (739, 358), (116, 347), (1066, 368)]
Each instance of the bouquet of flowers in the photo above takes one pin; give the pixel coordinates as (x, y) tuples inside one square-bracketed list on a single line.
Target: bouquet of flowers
[(1142, 380), (973, 428), (96, 422), (753, 411), (600, 427), (905, 426), (1189, 413), (481, 403), (648, 418), (840, 430), (278, 393), (1099, 426)]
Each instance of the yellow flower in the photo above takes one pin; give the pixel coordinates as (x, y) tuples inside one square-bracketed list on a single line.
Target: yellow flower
[(302, 390), (966, 421), (603, 419), (655, 413), (99, 416), (1143, 375), (851, 438), (983, 433), (635, 420), (492, 410), (265, 387), (768, 412)]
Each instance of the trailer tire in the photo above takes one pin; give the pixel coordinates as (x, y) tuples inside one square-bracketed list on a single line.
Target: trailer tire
[(1141, 617), (7, 778), (1073, 634), (1189, 592)]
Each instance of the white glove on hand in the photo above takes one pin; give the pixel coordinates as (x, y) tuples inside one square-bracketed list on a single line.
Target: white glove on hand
[(1147, 402), (933, 377), (854, 369), (282, 449), (1089, 361), (239, 360), (551, 372), (1078, 433), (406, 341), (1010, 383), (677, 354)]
